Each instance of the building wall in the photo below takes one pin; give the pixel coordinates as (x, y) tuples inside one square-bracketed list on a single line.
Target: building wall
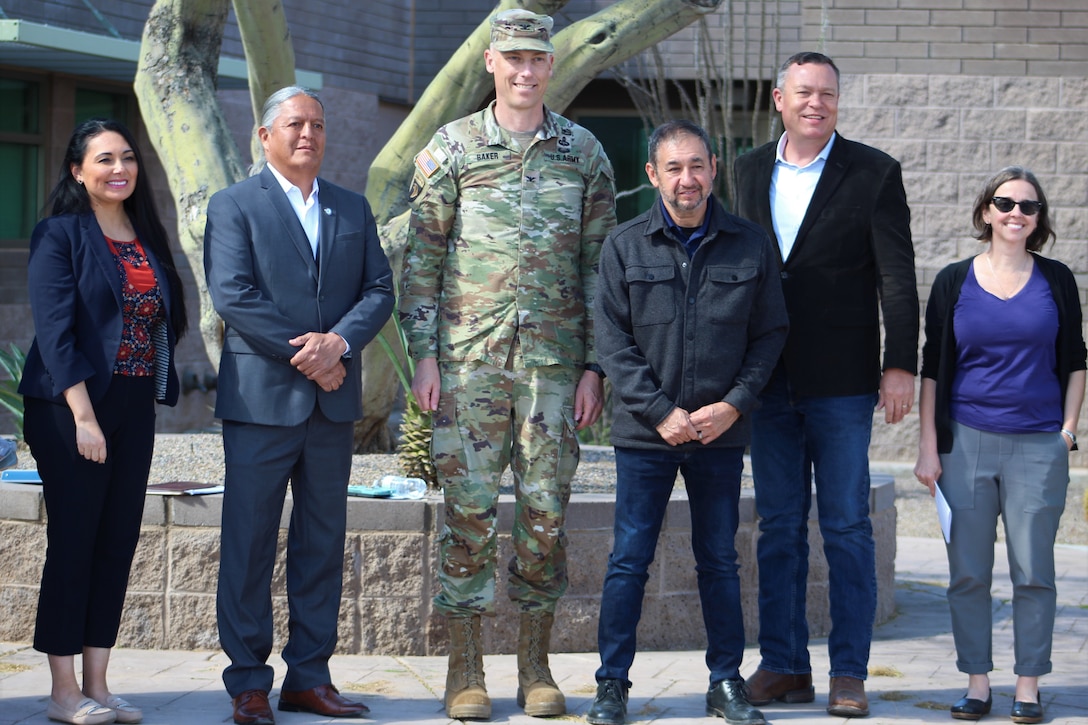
[(1040, 38)]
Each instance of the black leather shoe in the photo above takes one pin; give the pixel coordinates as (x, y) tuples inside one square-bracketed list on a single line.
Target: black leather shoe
[(729, 699), (967, 708), (1027, 711), (610, 705)]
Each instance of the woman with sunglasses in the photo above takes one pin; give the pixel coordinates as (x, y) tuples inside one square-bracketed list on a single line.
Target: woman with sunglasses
[(1003, 371)]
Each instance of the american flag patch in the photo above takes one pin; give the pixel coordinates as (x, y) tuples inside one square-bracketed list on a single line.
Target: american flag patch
[(426, 163)]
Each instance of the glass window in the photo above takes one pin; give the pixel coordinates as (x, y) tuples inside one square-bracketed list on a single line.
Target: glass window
[(20, 158), (624, 140), (22, 108), (19, 204), (101, 104)]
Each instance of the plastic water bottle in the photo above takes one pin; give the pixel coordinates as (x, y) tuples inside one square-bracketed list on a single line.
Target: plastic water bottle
[(404, 487)]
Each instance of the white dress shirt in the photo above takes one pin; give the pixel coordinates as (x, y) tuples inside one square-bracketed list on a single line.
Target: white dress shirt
[(308, 210), (792, 187)]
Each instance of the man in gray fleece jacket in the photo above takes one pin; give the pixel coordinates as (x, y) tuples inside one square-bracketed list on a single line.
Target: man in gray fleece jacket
[(690, 320)]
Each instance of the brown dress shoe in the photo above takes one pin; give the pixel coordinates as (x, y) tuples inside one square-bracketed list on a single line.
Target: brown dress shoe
[(765, 686), (321, 700), (252, 708), (847, 698)]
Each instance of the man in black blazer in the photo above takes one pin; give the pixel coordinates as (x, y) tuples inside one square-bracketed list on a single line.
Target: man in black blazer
[(295, 269), (839, 214)]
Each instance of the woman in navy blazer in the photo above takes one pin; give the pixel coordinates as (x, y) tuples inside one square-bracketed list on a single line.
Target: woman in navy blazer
[(108, 309)]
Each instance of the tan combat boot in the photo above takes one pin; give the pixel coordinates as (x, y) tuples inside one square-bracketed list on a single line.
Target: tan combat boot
[(537, 691), (466, 695)]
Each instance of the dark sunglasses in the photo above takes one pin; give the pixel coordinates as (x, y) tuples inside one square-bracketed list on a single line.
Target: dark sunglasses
[(1004, 204)]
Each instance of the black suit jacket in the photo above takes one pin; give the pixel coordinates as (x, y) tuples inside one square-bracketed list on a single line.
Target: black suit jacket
[(75, 297), (265, 285), (853, 259)]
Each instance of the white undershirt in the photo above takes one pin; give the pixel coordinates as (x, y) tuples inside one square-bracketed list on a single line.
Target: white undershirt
[(792, 187), (307, 210)]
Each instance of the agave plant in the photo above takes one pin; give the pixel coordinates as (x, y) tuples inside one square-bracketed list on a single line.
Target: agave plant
[(414, 448), (11, 363)]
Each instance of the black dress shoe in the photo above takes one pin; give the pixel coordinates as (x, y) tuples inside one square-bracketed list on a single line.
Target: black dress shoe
[(729, 699), (610, 705), (1028, 711), (968, 708)]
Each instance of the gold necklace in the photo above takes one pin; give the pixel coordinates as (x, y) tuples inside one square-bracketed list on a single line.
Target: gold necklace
[(997, 283)]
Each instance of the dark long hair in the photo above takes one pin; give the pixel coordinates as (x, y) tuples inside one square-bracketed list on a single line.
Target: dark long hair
[(70, 197)]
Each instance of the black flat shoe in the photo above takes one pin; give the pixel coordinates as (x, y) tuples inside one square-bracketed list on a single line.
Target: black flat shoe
[(1029, 712), (967, 708)]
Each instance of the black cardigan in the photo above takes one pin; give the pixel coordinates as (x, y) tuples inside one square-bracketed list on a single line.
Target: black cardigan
[(939, 351)]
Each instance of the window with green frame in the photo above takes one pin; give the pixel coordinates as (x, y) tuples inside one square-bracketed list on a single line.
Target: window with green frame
[(624, 140), (20, 157), (92, 103)]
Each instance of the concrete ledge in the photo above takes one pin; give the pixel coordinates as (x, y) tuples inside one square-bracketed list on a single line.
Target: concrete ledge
[(390, 560)]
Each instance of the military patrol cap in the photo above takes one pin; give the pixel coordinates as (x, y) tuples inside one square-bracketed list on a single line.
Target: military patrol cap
[(520, 29)]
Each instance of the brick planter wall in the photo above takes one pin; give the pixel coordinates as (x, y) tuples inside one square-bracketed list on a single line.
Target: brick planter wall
[(390, 559)]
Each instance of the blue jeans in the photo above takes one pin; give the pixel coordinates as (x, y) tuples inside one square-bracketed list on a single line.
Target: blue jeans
[(644, 482), (792, 438)]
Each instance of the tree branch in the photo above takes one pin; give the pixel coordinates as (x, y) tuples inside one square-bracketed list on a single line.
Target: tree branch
[(270, 55), (611, 36)]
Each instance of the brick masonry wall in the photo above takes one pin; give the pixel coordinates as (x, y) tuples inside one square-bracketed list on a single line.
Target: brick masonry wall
[(390, 560), (1039, 38), (1042, 38)]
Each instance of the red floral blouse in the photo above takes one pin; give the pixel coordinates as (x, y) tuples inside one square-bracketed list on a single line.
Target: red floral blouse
[(142, 307)]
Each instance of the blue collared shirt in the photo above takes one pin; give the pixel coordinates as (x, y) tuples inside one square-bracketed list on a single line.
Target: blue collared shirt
[(691, 239)]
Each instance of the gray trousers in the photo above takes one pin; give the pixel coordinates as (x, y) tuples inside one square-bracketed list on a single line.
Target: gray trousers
[(1023, 478)]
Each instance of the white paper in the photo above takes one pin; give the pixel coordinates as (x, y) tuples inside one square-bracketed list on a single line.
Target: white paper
[(944, 514)]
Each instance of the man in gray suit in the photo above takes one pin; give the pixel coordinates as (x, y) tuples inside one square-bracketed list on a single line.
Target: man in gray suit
[(297, 273)]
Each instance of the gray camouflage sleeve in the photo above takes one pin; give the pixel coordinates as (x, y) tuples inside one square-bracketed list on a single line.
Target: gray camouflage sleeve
[(598, 219), (433, 209)]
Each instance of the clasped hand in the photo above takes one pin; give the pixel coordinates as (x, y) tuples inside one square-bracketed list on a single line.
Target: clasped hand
[(318, 358), (704, 425)]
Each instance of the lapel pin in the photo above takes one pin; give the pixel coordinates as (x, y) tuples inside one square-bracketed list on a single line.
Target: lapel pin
[(328, 211)]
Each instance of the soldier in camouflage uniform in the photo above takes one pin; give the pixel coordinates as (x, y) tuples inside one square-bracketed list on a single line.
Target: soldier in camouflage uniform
[(510, 207)]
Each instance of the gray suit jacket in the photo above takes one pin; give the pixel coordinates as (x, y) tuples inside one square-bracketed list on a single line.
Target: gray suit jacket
[(266, 286)]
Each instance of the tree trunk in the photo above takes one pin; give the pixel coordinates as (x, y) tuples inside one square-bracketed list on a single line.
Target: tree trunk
[(611, 36), (175, 85), (270, 55)]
